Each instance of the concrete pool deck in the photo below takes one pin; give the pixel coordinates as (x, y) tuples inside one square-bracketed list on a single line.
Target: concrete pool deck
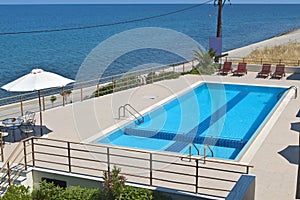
[(275, 160)]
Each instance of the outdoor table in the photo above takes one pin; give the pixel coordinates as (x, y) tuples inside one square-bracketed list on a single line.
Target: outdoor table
[(12, 124)]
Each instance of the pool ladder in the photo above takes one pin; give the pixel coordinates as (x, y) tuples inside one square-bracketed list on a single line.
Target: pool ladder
[(291, 87), (127, 107), (205, 147)]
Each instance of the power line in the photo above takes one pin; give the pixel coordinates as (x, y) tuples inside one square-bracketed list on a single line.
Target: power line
[(104, 25)]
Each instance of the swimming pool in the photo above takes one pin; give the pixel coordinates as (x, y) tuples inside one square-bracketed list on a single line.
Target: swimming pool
[(225, 117)]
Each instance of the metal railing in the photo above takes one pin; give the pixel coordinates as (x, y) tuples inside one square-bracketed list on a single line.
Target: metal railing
[(214, 177), (16, 105), (261, 61), (15, 164), (79, 91)]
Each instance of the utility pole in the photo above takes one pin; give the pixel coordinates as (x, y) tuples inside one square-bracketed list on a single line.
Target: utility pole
[(220, 4)]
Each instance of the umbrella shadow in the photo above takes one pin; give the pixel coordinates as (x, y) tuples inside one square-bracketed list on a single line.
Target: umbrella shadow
[(291, 154), (295, 126), (17, 135)]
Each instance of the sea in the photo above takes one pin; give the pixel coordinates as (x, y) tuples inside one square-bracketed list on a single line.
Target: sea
[(81, 28)]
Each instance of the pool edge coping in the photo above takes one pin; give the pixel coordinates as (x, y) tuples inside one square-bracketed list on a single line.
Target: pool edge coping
[(263, 133)]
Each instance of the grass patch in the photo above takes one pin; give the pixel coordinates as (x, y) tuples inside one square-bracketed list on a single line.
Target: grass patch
[(288, 53)]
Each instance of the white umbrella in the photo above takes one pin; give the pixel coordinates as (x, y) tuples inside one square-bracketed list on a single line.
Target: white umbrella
[(36, 81)]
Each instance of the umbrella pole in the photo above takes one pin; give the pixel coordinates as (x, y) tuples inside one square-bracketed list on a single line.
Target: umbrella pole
[(40, 107)]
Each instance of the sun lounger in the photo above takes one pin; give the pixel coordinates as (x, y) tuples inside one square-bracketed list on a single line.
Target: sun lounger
[(241, 69), (279, 71), (227, 67), (265, 71)]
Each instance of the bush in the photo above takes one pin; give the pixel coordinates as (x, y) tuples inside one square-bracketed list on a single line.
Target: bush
[(114, 184), (107, 89), (48, 191), (79, 193), (127, 82), (17, 192), (114, 188), (136, 193), (154, 77)]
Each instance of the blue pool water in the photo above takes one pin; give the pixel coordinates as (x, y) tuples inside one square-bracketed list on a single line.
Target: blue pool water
[(225, 117)]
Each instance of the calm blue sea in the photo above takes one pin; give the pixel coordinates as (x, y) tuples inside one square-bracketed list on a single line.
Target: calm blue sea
[(63, 52)]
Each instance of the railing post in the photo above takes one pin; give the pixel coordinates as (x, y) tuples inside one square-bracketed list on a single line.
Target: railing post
[(197, 176), (32, 152), (25, 154), (69, 157), (81, 93), (152, 78), (150, 168), (2, 150), (108, 160), (261, 61), (279, 61), (204, 150), (8, 173), (113, 83), (98, 92), (298, 62), (21, 105), (247, 170), (63, 96), (183, 68), (243, 59)]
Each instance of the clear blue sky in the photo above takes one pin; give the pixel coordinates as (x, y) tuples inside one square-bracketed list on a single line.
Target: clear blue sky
[(140, 1)]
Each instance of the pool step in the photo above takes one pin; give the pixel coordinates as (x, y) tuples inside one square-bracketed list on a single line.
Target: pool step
[(186, 138)]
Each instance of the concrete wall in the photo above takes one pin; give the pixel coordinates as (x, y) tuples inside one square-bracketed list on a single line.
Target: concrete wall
[(244, 189)]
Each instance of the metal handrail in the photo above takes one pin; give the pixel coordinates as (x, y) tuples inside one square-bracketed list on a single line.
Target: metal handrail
[(190, 149), (155, 159), (287, 89), (139, 119), (16, 105), (263, 60), (204, 149), (9, 174)]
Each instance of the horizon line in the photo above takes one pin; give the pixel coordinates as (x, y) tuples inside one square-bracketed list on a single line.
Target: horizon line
[(145, 3)]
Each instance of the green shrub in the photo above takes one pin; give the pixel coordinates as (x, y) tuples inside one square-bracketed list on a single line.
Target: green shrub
[(136, 193), (114, 188), (114, 184), (126, 82), (154, 77), (48, 191), (17, 192), (103, 90), (79, 193)]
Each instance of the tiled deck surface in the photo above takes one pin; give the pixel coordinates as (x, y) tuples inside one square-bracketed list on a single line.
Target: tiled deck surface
[(275, 161)]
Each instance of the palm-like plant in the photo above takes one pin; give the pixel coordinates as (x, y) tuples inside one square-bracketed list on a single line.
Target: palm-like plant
[(205, 61)]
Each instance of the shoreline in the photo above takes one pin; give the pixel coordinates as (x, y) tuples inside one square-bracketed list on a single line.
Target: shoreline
[(292, 35)]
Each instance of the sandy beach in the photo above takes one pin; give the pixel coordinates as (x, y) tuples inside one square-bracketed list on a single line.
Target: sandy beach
[(278, 40)]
